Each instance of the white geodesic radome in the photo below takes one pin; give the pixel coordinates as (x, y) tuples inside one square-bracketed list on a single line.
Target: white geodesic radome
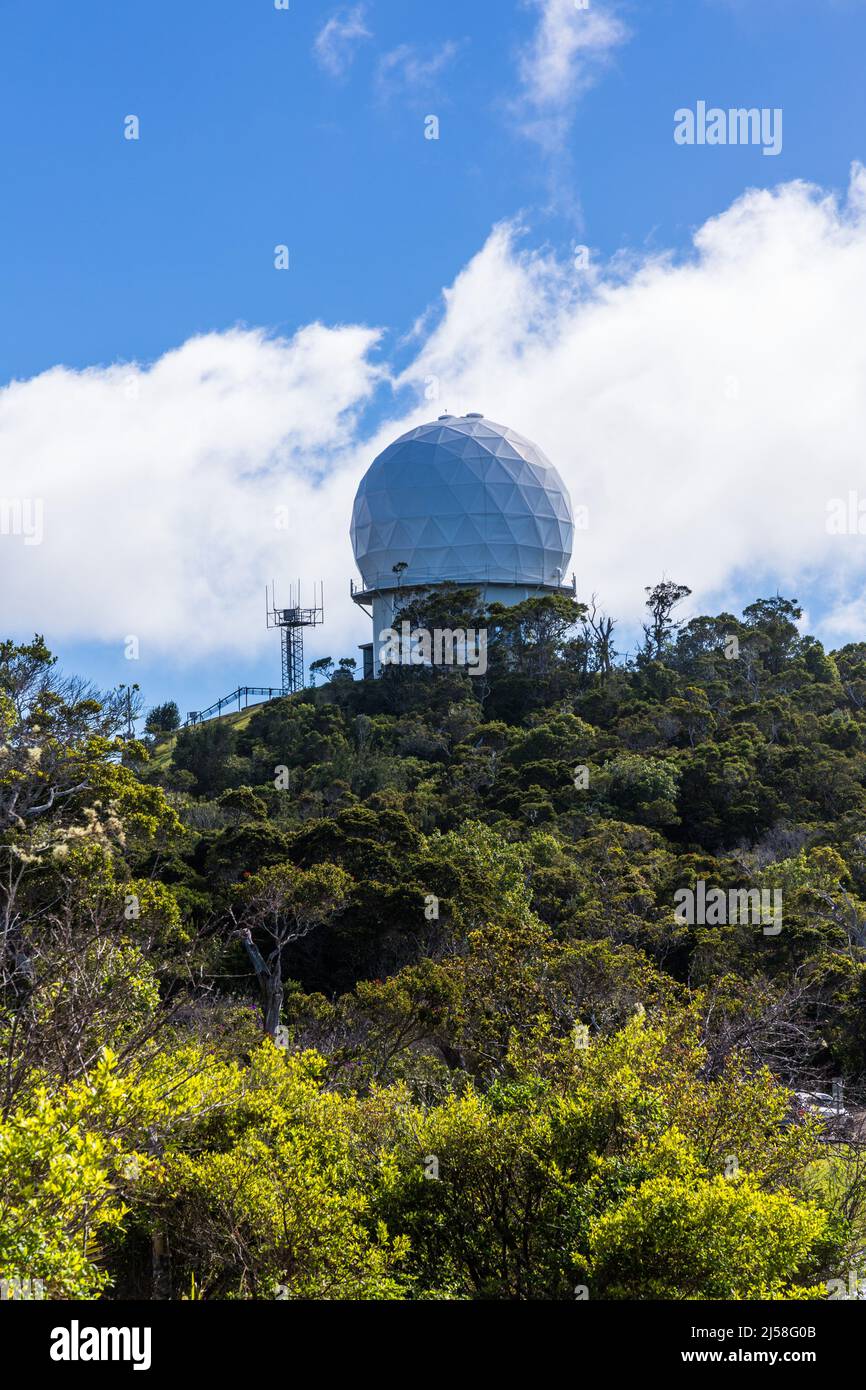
[(462, 499)]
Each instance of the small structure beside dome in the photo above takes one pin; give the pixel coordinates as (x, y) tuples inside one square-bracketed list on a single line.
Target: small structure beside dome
[(461, 500)]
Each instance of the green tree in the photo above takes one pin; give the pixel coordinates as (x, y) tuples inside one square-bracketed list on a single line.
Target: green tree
[(283, 905), (163, 719)]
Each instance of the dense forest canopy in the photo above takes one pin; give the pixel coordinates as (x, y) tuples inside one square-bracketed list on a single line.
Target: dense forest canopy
[(383, 990)]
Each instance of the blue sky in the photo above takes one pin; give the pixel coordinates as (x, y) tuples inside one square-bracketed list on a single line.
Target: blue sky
[(261, 127), (119, 250)]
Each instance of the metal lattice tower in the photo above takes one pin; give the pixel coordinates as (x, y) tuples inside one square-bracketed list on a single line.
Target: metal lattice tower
[(291, 621)]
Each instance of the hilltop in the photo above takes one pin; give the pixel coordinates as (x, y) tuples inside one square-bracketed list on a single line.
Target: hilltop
[(403, 964)]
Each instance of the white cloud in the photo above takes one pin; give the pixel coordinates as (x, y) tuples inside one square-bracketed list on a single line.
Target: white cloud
[(338, 39), (161, 488), (705, 412), (569, 49), (405, 70)]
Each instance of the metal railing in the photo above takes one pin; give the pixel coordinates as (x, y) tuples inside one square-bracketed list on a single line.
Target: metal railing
[(417, 579), (242, 693)]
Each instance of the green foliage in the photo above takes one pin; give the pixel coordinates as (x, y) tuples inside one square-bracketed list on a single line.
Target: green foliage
[(57, 1153), (693, 1237), (163, 719), (279, 1207), (599, 1176), (497, 1064), (645, 788), (244, 802)]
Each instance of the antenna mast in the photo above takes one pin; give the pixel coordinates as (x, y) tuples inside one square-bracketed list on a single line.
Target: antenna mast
[(291, 621)]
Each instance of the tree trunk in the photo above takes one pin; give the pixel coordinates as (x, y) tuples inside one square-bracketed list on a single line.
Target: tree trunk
[(161, 1266), (270, 977), (272, 992)]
